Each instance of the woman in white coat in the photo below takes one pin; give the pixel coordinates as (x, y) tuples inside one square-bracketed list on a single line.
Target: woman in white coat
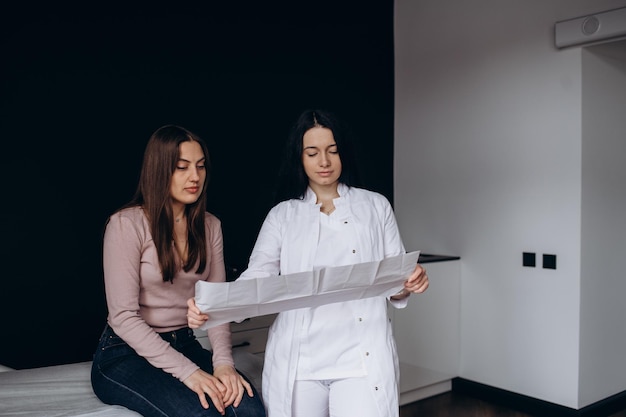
[(337, 359)]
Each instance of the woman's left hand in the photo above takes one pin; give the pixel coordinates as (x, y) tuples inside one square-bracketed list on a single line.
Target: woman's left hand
[(418, 281), (235, 385)]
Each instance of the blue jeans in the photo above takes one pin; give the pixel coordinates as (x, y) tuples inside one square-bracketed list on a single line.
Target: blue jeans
[(120, 376)]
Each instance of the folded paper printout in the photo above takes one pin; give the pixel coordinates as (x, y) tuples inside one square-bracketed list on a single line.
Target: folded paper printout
[(244, 298)]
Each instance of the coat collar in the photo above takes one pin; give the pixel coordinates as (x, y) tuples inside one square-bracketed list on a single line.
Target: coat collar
[(310, 197)]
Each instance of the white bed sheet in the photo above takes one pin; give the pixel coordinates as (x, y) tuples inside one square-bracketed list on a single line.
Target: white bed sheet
[(65, 390), (54, 391)]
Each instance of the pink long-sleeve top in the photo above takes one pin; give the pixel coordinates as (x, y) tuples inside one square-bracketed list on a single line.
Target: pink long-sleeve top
[(141, 304)]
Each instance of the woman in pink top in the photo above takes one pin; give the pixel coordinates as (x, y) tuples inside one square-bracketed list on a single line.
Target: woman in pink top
[(155, 249)]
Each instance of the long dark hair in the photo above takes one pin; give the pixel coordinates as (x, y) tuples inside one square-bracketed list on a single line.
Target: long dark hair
[(153, 195), (292, 179)]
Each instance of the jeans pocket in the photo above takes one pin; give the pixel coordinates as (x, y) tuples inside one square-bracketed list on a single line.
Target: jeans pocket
[(108, 339), (111, 348)]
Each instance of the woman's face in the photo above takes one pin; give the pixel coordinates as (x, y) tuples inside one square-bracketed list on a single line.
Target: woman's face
[(189, 175), (320, 157)]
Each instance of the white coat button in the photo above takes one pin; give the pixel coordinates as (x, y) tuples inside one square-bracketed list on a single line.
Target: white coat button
[(367, 353), (353, 250)]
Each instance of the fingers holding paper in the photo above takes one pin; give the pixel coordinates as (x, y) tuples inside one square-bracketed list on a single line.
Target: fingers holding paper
[(417, 281), (195, 318)]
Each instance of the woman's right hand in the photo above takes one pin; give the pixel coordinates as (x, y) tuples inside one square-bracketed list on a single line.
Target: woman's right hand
[(195, 318), (203, 383)]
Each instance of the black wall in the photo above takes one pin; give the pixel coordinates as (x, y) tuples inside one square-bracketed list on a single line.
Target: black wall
[(82, 89)]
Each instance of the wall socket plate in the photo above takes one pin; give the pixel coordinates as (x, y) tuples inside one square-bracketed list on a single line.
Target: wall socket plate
[(529, 259), (549, 261)]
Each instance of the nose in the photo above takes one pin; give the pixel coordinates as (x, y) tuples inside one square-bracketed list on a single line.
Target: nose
[(324, 160), (195, 175)]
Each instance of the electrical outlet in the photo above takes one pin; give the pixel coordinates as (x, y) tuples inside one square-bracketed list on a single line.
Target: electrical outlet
[(549, 261), (528, 259)]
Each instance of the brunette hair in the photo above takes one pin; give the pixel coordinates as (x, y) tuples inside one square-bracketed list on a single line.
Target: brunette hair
[(153, 195), (292, 179)]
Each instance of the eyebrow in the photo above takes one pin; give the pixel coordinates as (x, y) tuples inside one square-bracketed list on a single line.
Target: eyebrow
[(189, 162), (315, 147)]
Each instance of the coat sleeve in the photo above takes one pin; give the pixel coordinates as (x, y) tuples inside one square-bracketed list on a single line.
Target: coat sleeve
[(265, 258), (392, 243), (391, 234)]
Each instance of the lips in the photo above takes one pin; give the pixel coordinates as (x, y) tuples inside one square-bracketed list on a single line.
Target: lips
[(192, 190)]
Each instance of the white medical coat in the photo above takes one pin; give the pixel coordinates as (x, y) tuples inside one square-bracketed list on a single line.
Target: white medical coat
[(286, 244)]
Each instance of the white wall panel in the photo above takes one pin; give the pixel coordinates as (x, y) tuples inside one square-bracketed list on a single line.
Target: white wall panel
[(488, 164)]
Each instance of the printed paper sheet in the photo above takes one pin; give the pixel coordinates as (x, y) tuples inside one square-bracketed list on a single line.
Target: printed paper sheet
[(242, 299)]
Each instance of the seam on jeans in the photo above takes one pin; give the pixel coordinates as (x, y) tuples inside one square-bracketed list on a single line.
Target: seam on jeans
[(134, 392)]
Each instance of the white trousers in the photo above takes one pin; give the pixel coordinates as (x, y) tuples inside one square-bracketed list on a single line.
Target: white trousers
[(347, 397)]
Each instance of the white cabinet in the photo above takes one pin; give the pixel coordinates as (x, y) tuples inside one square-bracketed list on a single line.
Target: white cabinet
[(427, 334), (248, 336)]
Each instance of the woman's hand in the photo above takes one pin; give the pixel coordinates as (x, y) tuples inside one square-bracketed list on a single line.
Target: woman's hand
[(203, 383), (235, 385), (416, 283), (195, 318)]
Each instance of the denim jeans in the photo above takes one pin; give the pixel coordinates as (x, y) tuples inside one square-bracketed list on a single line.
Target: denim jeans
[(120, 376)]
